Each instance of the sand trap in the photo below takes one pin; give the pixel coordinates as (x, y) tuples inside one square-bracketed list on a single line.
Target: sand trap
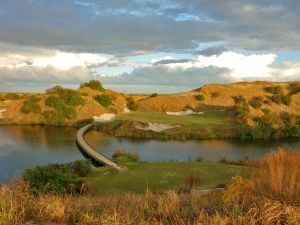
[(106, 117), (156, 127), (184, 113), (1, 113), (126, 110)]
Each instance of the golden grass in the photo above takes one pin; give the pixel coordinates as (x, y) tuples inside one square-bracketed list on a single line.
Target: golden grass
[(242, 202), (279, 176)]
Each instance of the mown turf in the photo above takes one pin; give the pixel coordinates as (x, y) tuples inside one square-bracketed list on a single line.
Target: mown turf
[(211, 119), (138, 177)]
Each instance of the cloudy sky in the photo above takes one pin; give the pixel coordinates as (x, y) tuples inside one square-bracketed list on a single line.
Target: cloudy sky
[(147, 45)]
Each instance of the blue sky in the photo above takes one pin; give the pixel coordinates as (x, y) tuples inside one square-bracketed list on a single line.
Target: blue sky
[(147, 45)]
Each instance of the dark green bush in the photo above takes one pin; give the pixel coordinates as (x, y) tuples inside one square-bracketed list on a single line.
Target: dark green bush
[(31, 105), (286, 99), (54, 117), (242, 112), (55, 102), (93, 84), (12, 96), (104, 100), (58, 178), (153, 95), (84, 122), (266, 111), (276, 98), (256, 102), (274, 90), (239, 99), (200, 97), (69, 96), (131, 104), (215, 94), (294, 88), (122, 156)]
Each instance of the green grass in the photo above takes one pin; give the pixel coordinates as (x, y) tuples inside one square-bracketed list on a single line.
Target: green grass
[(211, 119), (137, 177)]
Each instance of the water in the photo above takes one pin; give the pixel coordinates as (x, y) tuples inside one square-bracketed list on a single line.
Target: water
[(26, 146)]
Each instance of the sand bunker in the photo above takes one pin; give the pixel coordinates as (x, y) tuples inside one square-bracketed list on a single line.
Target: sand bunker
[(126, 110), (106, 117), (1, 113), (184, 113), (156, 127)]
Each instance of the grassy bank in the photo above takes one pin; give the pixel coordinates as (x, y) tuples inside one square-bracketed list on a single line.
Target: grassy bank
[(271, 196), (210, 119), (138, 177)]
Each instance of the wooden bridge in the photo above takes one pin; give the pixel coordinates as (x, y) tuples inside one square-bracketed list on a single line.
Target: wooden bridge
[(97, 158)]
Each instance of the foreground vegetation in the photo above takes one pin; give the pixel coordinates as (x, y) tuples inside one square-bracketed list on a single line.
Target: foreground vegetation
[(271, 196)]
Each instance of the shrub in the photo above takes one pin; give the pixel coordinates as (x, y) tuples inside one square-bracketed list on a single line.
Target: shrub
[(276, 98), (215, 94), (282, 99), (69, 96), (131, 104), (200, 97), (274, 90), (93, 84), (54, 117), (55, 102), (286, 99), (104, 100), (256, 102), (153, 95), (58, 178), (84, 122), (30, 105), (239, 99), (294, 88), (266, 111), (242, 112), (124, 156), (12, 96)]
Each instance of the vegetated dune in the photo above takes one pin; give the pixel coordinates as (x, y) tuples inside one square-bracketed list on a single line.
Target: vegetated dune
[(213, 97), (220, 96), (91, 107)]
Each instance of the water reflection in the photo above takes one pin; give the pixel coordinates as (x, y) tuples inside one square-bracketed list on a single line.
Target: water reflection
[(25, 146)]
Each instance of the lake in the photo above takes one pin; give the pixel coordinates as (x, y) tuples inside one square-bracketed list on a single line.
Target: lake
[(22, 147)]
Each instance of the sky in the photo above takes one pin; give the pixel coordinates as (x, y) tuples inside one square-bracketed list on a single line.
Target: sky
[(143, 46)]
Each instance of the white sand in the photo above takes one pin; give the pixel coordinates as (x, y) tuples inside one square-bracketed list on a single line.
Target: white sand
[(184, 113), (1, 113), (156, 127), (126, 110), (106, 117)]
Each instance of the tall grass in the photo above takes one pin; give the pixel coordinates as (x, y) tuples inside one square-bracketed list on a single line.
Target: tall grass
[(279, 176), (271, 197)]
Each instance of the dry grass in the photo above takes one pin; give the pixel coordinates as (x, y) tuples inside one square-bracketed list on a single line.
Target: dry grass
[(242, 202), (279, 176)]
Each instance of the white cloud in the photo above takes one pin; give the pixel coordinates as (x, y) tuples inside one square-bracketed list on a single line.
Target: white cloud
[(58, 60), (241, 66)]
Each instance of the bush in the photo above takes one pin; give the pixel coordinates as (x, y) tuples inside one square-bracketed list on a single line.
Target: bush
[(30, 105), (257, 102), (54, 117), (239, 99), (69, 96), (131, 104), (55, 102), (215, 94), (286, 99), (84, 122), (104, 100), (274, 90), (93, 84), (282, 99), (58, 178), (153, 95), (200, 97), (124, 156), (266, 111), (12, 96), (294, 88)]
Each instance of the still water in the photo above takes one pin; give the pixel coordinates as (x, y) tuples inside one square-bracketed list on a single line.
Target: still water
[(26, 146)]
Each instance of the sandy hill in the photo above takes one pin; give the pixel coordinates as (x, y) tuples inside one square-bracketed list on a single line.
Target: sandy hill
[(220, 96), (216, 96)]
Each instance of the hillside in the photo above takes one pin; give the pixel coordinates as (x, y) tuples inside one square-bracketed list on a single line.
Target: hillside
[(209, 97)]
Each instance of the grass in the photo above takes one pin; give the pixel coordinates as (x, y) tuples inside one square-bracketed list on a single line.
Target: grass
[(211, 119), (163, 176)]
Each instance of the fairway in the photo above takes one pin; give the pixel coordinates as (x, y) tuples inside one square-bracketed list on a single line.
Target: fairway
[(137, 177), (211, 119)]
